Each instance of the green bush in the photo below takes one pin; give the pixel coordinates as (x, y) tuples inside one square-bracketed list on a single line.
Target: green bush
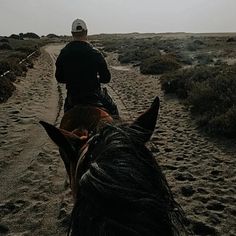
[(210, 92), (4, 40), (4, 66), (219, 92), (230, 40), (5, 46), (31, 35), (176, 82), (111, 45), (27, 50), (11, 76), (137, 55), (12, 63), (224, 123), (204, 59), (159, 65), (181, 82), (6, 89), (52, 36), (202, 97), (184, 57), (198, 42), (17, 56), (14, 36), (195, 45), (9, 61)]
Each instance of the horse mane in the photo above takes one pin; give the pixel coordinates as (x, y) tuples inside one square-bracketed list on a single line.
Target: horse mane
[(123, 191)]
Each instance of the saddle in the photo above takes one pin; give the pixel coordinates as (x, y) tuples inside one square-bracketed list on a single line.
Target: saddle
[(101, 100)]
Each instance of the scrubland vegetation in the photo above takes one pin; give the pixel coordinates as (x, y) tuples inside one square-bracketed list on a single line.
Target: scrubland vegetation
[(199, 69), (210, 94), (14, 52)]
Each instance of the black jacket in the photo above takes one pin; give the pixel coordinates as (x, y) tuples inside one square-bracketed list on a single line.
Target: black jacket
[(82, 68)]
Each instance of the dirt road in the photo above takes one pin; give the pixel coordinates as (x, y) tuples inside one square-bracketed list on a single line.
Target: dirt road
[(34, 196)]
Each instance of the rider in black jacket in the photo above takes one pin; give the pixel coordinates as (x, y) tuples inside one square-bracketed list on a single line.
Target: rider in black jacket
[(82, 68)]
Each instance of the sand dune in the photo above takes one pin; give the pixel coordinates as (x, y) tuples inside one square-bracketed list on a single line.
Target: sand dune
[(34, 196)]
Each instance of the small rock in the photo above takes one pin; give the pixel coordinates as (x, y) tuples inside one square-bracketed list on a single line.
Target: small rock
[(169, 167), (216, 172), (187, 191), (215, 206), (179, 159), (199, 210), (168, 149), (202, 191), (203, 199), (199, 228), (154, 149), (62, 214), (14, 112), (184, 176)]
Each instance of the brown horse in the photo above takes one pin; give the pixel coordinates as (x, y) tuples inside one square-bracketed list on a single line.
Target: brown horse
[(77, 125), (84, 117), (117, 185)]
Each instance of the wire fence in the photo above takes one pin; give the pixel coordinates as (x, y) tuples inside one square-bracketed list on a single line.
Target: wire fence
[(22, 61)]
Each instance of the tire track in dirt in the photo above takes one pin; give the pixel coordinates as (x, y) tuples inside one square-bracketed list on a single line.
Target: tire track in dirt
[(53, 51)]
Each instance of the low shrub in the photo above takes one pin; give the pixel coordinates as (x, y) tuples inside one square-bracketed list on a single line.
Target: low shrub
[(17, 68), (4, 66), (192, 47), (224, 123), (219, 94), (14, 36), (159, 65), (176, 83), (4, 40), (195, 45), (210, 93), (180, 82), (12, 64), (11, 76), (111, 45), (184, 58), (6, 89), (27, 50), (5, 46), (199, 93), (204, 59), (10, 60), (137, 55), (198, 42), (51, 36), (31, 35), (17, 56), (230, 40)]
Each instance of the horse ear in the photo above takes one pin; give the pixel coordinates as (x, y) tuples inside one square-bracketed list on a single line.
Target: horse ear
[(60, 138), (146, 122)]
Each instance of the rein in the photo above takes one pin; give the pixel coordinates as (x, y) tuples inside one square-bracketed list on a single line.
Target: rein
[(84, 152)]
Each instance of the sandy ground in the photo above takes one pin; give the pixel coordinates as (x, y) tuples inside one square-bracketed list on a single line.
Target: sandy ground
[(34, 196)]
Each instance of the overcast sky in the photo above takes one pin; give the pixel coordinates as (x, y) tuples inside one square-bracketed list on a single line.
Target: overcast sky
[(117, 16)]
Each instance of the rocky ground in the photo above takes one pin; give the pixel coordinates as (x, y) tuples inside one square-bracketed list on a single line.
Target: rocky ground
[(34, 196)]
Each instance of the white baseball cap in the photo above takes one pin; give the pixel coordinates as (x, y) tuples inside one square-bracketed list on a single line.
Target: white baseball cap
[(78, 25)]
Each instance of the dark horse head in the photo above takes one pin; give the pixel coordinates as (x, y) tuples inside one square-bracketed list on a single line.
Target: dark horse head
[(118, 187)]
